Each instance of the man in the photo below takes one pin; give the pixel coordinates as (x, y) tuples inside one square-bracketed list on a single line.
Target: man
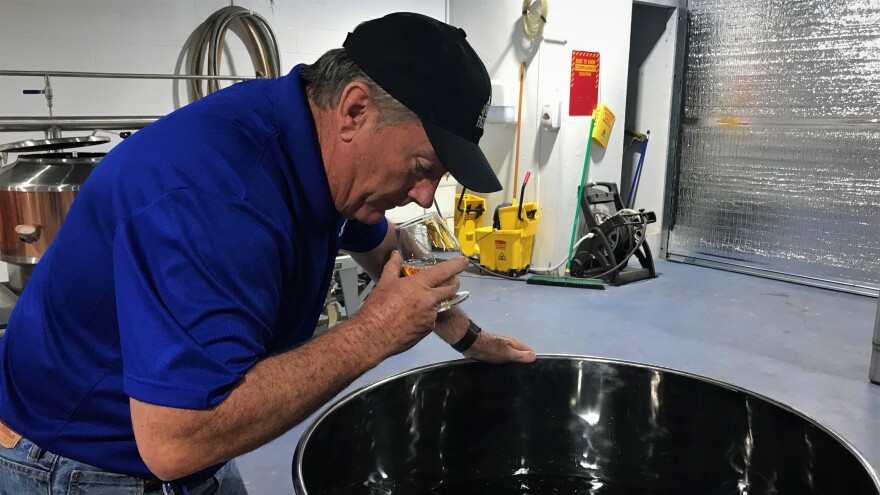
[(160, 336)]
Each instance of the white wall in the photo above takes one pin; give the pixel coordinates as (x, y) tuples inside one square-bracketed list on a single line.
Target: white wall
[(554, 157), (148, 36)]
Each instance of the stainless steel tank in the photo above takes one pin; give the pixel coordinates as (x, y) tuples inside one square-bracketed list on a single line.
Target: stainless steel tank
[(36, 191), (874, 369), (570, 425)]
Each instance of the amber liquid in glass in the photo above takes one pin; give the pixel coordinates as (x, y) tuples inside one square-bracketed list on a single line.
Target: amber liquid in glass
[(415, 266)]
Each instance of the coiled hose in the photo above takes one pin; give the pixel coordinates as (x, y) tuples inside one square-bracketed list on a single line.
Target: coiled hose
[(208, 49), (533, 24)]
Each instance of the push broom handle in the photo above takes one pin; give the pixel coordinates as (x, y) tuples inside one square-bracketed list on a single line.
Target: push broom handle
[(578, 201)]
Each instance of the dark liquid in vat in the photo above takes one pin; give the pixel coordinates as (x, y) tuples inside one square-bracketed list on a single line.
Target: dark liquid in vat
[(539, 485), (518, 485)]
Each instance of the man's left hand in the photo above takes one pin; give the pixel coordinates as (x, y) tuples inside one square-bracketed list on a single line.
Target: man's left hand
[(488, 347), (496, 349)]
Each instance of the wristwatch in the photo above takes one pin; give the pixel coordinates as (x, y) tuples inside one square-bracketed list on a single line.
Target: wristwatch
[(470, 336)]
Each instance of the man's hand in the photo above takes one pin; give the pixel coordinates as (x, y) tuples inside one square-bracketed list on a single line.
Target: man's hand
[(402, 311), (488, 347), (496, 349)]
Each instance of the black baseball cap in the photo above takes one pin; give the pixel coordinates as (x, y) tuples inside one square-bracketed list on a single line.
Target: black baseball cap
[(430, 68)]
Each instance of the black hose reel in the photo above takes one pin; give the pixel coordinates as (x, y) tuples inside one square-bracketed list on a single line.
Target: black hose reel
[(614, 235)]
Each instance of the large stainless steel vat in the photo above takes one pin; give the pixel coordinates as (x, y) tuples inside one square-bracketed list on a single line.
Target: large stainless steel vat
[(36, 191), (570, 425), (874, 369)]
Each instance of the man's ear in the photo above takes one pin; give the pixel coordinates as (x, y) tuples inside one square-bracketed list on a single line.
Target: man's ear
[(355, 109)]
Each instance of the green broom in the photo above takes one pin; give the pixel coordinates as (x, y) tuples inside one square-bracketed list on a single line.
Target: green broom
[(577, 203), (567, 280)]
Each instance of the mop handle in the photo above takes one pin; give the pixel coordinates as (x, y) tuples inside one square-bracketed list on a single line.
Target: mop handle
[(578, 202), (522, 78)]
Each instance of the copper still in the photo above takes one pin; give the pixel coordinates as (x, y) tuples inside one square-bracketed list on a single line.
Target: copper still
[(36, 191)]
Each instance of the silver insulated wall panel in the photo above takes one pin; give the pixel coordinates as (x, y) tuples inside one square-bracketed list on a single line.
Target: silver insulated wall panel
[(780, 138)]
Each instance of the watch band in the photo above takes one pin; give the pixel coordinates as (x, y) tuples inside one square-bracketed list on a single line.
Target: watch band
[(470, 336)]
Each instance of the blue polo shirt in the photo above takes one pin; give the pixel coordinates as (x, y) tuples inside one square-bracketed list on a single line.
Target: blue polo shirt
[(200, 245)]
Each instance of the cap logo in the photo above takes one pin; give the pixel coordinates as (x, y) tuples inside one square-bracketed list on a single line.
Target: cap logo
[(481, 120)]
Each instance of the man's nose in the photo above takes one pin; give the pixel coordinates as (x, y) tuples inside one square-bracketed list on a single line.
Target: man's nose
[(423, 192)]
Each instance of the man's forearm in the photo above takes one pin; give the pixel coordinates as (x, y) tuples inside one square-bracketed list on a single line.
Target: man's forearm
[(451, 325), (281, 391), (274, 396)]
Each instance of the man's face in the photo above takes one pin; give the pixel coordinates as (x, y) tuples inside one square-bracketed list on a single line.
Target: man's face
[(394, 166)]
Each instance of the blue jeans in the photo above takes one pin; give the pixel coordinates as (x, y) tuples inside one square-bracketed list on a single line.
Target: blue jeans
[(27, 469)]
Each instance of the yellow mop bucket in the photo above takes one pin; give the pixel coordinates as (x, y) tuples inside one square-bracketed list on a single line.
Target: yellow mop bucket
[(508, 249), (469, 212)]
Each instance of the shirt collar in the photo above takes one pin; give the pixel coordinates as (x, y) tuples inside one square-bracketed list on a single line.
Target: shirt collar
[(300, 140)]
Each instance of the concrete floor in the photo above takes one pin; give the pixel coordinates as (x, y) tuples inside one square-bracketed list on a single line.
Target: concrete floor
[(806, 347)]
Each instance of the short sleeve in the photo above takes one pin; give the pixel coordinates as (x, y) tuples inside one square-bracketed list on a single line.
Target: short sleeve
[(198, 284), (359, 237)]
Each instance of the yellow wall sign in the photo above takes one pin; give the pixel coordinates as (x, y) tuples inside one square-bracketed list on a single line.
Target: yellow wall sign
[(604, 121)]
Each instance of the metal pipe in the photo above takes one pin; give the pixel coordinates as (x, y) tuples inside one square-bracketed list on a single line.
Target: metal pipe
[(119, 75), (47, 91), (874, 372), (25, 124)]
